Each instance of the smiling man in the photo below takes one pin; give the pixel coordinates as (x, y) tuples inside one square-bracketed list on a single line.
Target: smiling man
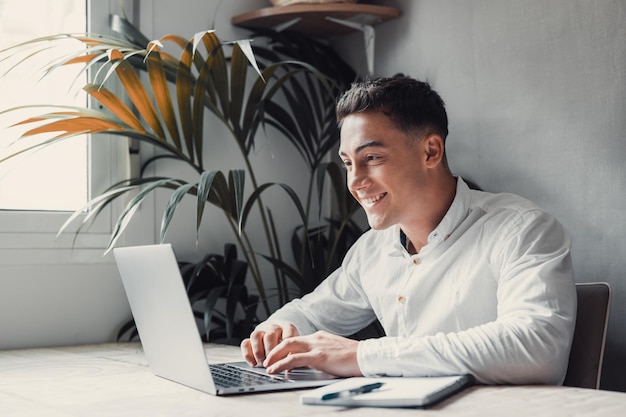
[(462, 281)]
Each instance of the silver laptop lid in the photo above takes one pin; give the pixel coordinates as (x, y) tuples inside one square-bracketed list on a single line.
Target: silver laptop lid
[(165, 322)]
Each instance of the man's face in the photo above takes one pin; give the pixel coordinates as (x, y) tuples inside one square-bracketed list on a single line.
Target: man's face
[(386, 173)]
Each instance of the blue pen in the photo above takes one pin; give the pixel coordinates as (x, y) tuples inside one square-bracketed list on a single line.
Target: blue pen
[(363, 389)]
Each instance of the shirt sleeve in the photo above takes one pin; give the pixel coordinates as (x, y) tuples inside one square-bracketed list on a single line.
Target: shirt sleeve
[(530, 339)]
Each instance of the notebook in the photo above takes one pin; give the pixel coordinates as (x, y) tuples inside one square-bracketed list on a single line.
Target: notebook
[(169, 333), (387, 391)]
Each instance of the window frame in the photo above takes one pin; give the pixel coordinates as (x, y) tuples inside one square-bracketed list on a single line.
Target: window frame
[(31, 235)]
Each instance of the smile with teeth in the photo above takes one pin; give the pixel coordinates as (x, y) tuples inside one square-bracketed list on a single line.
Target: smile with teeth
[(369, 202)]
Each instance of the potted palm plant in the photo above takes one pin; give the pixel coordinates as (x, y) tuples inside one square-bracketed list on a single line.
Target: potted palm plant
[(293, 90)]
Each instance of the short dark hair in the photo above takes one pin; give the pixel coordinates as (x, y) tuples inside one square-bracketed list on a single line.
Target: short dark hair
[(411, 104)]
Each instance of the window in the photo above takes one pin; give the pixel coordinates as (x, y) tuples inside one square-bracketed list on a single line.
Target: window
[(54, 178), (39, 191)]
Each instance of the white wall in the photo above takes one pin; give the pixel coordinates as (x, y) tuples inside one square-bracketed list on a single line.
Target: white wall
[(536, 96), (47, 305)]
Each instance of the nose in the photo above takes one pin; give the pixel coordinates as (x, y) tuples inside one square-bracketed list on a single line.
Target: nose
[(357, 178)]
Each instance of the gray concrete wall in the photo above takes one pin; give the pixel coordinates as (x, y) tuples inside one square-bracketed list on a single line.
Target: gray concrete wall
[(536, 95)]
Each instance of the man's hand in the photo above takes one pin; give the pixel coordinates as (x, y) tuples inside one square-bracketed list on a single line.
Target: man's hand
[(322, 351), (262, 341)]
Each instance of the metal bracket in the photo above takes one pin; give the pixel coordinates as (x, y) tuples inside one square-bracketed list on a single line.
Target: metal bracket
[(369, 36), (286, 25)]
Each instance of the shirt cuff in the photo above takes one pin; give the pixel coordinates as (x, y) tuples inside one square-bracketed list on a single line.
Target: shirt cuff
[(375, 355)]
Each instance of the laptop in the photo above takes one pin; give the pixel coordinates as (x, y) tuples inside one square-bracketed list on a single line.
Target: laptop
[(170, 337)]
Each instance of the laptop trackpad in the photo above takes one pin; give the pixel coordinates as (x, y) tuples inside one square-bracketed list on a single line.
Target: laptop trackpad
[(298, 374)]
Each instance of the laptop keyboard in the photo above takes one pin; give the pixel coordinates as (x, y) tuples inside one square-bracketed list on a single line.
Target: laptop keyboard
[(229, 376)]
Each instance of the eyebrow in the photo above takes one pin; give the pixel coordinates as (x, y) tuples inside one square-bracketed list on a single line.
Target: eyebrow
[(370, 144)]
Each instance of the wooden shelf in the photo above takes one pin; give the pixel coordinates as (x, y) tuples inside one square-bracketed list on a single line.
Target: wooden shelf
[(313, 17)]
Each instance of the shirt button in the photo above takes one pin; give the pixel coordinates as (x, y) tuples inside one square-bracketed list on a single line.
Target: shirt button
[(417, 261), (401, 299)]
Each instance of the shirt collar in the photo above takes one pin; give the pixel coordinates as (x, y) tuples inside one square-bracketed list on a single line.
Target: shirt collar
[(454, 217)]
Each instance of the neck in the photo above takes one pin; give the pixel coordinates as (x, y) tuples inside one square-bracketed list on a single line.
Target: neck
[(418, 230)]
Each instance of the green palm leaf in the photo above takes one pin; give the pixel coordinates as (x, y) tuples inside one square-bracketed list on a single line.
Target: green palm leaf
[(93, 206), (204, 188), (136, 91), (216, 61), (238, 76), (161, 92), (133, 205), (243, 217), (171, 207), (209, 307), (236, 183), (130, 32), (115, 105)]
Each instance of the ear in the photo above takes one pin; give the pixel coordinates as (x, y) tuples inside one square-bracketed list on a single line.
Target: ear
[(434, 148)]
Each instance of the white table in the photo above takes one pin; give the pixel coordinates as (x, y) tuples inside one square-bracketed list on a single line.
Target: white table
[(114, 380)]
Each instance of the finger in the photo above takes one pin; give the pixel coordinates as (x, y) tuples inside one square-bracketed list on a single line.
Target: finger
[(246, 352), (289, 362), (257, 348), (290, 331), (285, 348), (272, 339)]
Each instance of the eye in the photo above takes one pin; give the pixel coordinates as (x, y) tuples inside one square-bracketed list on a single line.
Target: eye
[(346, 164), (372, 158)]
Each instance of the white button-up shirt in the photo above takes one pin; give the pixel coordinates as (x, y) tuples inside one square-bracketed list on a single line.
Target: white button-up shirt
[(491, 294)]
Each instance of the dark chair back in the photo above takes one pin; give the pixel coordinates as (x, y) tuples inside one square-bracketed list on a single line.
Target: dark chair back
[(585, 360)]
